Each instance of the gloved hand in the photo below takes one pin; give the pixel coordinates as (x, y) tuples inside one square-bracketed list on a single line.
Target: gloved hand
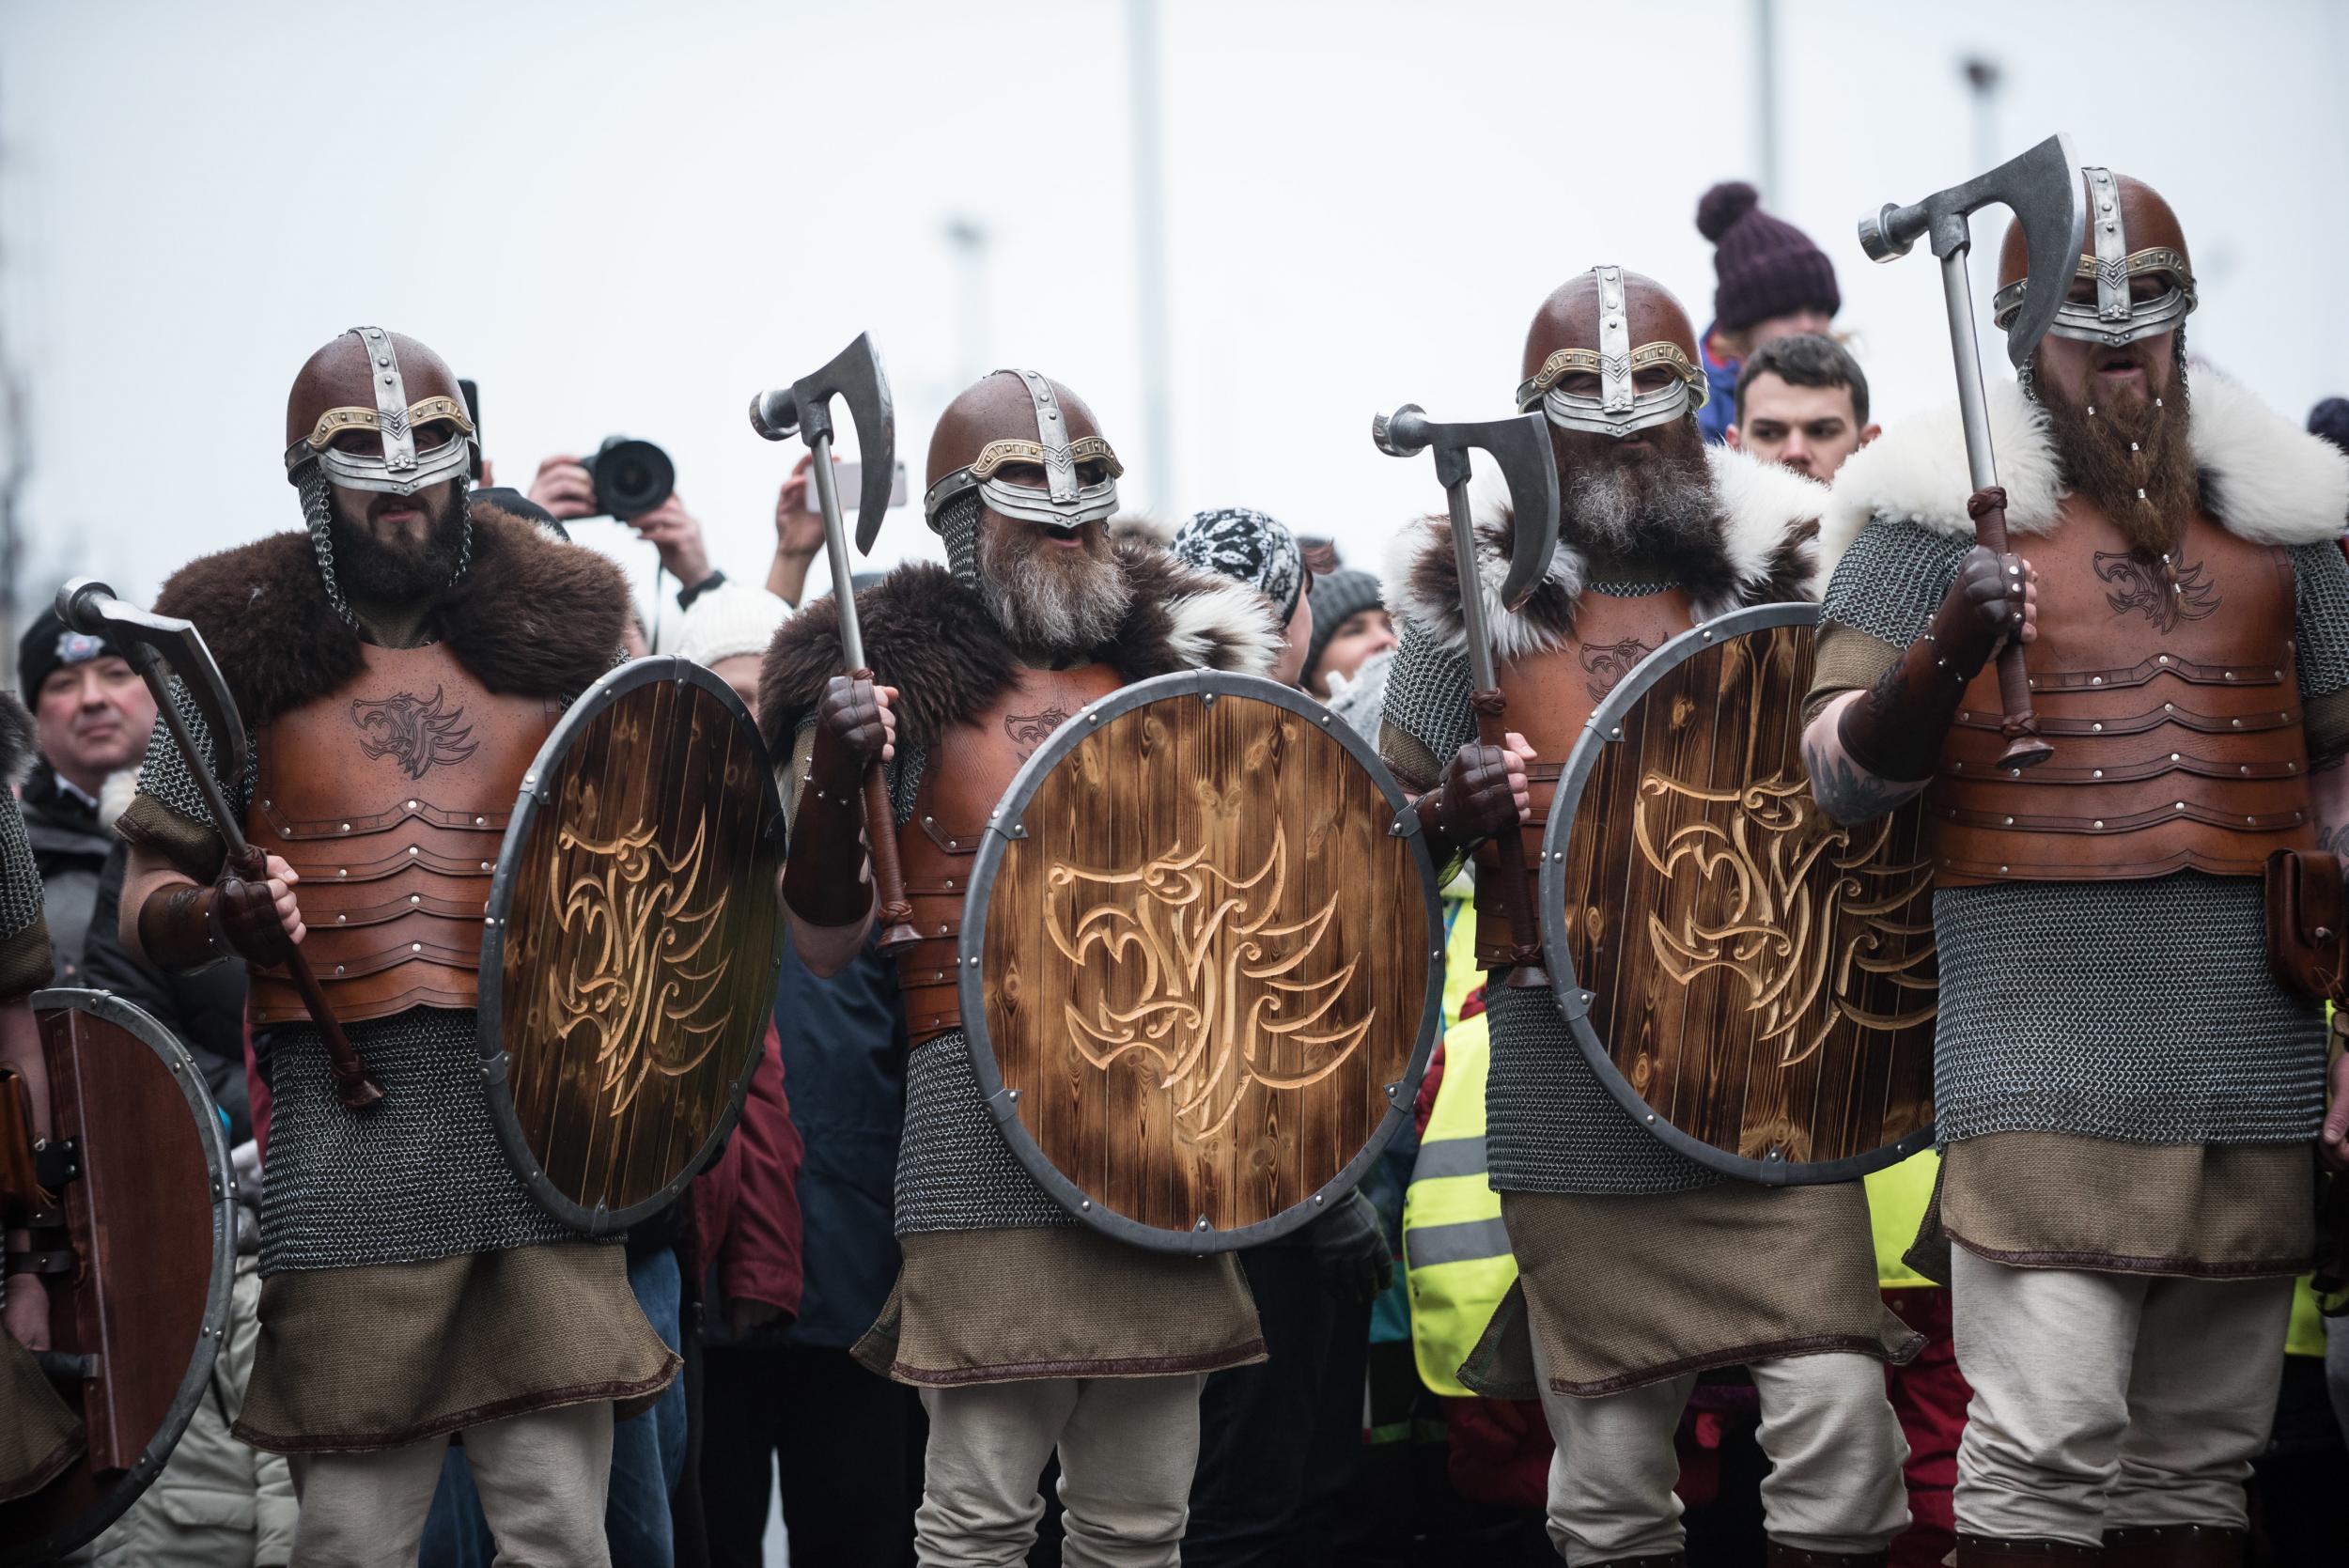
[(254, 907), (1482, 791), (1350, 1252)]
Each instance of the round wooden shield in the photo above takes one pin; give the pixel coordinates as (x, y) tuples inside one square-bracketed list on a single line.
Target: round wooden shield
[(628, 962), (151, 1215), (1753, 981), (1202, 961)]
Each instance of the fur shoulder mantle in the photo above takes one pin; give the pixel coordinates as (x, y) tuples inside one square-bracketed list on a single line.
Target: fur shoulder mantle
[(16, 740), (532, 616), (1769, 553), (933, 638), (2263, 479)]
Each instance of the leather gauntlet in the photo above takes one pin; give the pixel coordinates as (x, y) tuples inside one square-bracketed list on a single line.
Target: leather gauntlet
[(1896, 728), (187, 928), (823, 880), (1473, 801)]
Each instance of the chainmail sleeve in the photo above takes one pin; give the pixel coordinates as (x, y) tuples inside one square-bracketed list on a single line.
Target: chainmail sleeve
[(1426, 717), (169, 816), (2320, 574), (25, 962), (1881, 598)]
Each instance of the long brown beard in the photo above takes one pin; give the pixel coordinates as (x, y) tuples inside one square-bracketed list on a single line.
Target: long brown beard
[(1651, 509), (388, 573), (1050, 600), (2130, 457)]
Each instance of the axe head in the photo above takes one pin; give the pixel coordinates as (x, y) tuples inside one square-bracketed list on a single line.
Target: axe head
[(1520, 444), (854, 374), (147, 639), (2042, 187)]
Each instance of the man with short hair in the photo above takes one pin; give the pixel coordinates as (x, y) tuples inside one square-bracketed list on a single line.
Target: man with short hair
[(2124, 1095), (92, 715), (1802, 403)]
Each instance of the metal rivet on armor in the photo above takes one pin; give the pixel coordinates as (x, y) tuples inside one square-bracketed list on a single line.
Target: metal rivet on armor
[(413, 849), (340, 919), (2162, 659), (950, 884), (339, 969), (2230, 675), (415, 947), (2249, 820), (2173, 756), (2098, 726), (2169, 707), (2095, 680), (2096, 772), (346, 827), (387, 380), (2009, 822), (412, 805), (383, 359), (342, 871), (2279, 674), (415, 898), (1963, 717), (1958, 767), (485, 865), (478, 821), (950, 843), (2236, 723), (2182, 805), (2100, 822)]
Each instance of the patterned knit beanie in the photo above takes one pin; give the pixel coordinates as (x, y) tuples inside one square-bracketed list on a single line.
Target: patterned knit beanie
[(1249, 546), (1767, 267)]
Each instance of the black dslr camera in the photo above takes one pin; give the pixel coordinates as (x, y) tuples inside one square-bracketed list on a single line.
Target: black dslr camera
[(632, 477)]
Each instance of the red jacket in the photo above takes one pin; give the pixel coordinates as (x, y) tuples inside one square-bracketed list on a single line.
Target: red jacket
[(746, 1207)]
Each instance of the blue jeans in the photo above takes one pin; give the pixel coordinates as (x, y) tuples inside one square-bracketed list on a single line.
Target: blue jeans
[(647, 1460)]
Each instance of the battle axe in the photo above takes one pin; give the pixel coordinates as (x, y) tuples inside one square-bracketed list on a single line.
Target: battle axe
[(804, 408), (2043, 189), (158, 648), (1520, 444)]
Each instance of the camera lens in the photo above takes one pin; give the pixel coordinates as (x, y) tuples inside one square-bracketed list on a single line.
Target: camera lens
[(633, 477)]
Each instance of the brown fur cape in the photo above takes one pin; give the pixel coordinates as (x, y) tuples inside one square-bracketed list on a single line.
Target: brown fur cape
[(933, 638), (532, 616)]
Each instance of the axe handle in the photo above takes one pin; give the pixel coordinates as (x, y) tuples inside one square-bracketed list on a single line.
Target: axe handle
[(893, 911), (1518, 902), (2025, 748)]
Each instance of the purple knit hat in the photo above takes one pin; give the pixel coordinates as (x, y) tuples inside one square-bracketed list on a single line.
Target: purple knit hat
[(1766, 266)]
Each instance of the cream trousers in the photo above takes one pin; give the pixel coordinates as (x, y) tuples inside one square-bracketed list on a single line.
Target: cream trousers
[(2103, 1401), (542, 1478), (1128, 1448), (1833, 1442)]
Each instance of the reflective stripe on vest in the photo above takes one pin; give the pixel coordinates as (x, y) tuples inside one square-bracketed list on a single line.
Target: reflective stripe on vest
[(1897, 1197), (1461, 974), (1456, 1254)]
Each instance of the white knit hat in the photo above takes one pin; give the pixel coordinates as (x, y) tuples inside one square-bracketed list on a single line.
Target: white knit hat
[(732, 618)]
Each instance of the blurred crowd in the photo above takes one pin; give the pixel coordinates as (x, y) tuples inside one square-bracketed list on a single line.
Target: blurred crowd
[(1354, 1443)]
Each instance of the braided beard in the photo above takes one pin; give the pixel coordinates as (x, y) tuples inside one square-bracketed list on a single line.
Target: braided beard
[(1050, 600), (2131, 457)]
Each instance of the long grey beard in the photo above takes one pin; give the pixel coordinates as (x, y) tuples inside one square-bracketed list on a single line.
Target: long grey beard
[(1615, 513), (1047, 611)]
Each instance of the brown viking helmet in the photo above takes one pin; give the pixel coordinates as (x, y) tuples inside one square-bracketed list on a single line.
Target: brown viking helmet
[(1611, 353), (369, 378), (1010, 428), (2131, 233)]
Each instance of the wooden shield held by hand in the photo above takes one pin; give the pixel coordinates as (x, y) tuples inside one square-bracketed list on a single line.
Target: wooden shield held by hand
[(629, 963), (1754, 982), (139, 1300), (1202, 961)]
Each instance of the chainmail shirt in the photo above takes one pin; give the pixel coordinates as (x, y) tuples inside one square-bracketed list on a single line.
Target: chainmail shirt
[(2137, 1010), (19, 888), (955, 1170), (420, 1176), (1550, 1125)]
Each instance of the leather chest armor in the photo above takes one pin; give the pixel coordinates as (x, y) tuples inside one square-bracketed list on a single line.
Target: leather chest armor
[(390, 797), (2169, 691), (964, 776), (1550, 696)]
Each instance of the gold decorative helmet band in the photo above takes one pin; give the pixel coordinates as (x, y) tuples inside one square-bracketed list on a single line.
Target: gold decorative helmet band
[(334, 422), (1084, 449)]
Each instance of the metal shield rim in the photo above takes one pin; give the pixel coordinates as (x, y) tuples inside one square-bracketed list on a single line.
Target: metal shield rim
[(142, 1025), (1004, 826), (490, 1015), (1574, 1002)]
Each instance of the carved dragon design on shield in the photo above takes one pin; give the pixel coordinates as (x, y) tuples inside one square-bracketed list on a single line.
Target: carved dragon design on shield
[(643, 969), (1222, 965), (1793, 906)]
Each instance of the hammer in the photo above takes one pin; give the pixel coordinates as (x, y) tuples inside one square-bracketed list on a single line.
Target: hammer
[(804, 408), (1520, 444), (2043, 188)]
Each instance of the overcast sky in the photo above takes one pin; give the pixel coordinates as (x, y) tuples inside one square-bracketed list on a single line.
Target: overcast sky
[(628, 219)]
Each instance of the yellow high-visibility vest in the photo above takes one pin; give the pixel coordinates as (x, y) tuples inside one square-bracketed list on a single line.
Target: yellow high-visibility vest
[(1897, 1197), (1456, 1254)]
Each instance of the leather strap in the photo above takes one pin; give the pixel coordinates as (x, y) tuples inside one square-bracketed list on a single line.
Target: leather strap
[(2173, 1547), (823, 880), (50, 1261), (1991, 1551)]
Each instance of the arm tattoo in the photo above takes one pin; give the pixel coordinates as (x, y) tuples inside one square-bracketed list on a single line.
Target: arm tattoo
[(1845, 790)]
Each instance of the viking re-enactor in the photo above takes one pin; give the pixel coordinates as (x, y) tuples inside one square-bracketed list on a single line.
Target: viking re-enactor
[(39, 1434), (398, 665), (2125, 1097), (1639, 1268), (1023, 1330)]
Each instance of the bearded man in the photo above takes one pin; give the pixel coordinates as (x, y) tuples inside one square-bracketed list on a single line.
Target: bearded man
[(2125, 1096), (1023, 1330), (1639, 1268), (398, 665)]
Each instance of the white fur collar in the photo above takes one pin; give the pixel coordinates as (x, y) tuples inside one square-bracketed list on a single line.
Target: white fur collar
[(2265, 480), (1766, 508)]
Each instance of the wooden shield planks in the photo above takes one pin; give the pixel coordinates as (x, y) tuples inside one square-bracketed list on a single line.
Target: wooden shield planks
[(629, 963), (1202, 972), (151, 1219), (1754, 982)]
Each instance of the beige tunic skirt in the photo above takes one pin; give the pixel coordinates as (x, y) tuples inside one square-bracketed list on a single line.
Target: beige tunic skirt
[(1006, 1306), (39, 1434), (1619, 1290), (379, 1357)]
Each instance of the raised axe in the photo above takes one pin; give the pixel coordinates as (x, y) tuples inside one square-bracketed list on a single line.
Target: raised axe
[(2043, 189), (804, 408), (158, 648), (1520, 444)]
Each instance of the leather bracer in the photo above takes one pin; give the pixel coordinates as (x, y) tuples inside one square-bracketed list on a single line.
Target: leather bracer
[(823, 880), (1895, 729)]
